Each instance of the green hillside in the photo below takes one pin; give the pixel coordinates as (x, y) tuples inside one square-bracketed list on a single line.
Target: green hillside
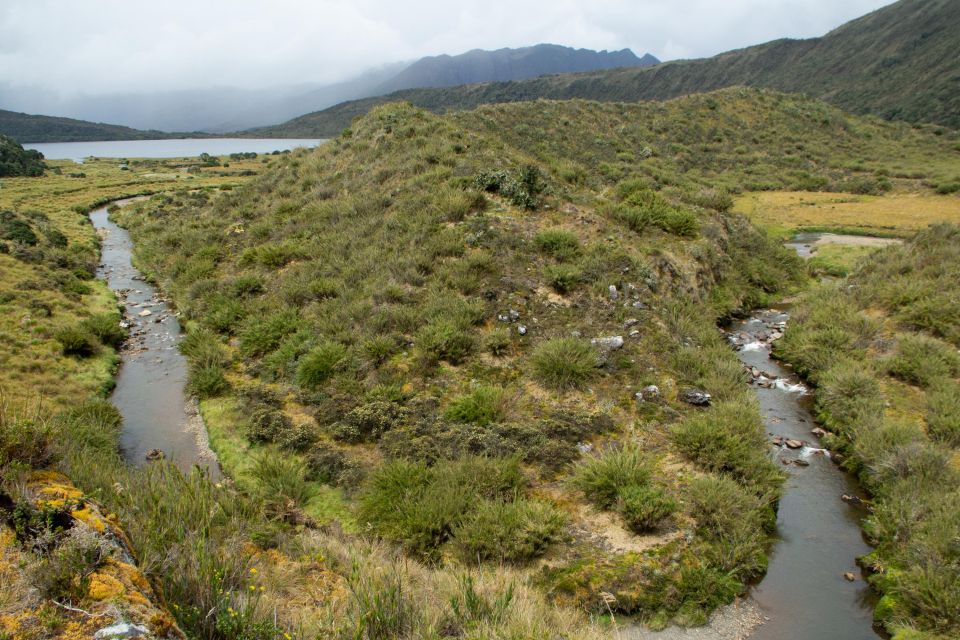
[(433, 330), (26, 128), (898, 62)]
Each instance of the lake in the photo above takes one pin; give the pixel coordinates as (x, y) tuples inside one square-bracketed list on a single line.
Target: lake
[(185, 148)]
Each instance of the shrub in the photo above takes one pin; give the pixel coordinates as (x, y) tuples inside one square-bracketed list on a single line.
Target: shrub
[(64, 572), (77, 340), (330, 464), (645, 507), (263, 334), (379, 348), (420, 506), (106, 327), (943, 412), (24, 440), (281, 478), (93, 426), (319, 364), (564, 363), (563, 278), (369, 421), (848, 395), (481, 406), (558, 243), (514, 531), (445, 340), (498, 341), (208, 363), (729, 438), (921, 360), (602, 477)]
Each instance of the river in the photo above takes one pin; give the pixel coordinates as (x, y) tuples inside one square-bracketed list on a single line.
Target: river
[(157, 413), (813, 588)]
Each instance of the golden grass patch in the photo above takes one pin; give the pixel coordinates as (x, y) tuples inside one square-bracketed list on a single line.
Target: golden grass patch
[(893, 214)]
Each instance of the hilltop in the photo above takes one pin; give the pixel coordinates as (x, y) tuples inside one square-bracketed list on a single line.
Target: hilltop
[(25, 128), (897, 62), (469, 337)]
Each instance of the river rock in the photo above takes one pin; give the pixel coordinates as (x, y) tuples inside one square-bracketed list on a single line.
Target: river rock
[(145, 313), (122, 630), (855, 501), (793, 444), (696, 397), (817, 431), (609, 343), (849, 577), (155, 454)]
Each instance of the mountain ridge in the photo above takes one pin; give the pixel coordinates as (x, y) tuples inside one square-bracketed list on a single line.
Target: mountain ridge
[(871, 65)]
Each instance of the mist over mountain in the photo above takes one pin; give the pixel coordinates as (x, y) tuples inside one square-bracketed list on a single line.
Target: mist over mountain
[(898, 62), (225, 109)]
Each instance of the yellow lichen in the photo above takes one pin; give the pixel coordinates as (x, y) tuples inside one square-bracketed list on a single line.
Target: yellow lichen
[(90, 517), (104, 587)]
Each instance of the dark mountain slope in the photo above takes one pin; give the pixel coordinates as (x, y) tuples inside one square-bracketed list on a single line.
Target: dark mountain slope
[(898, 62), (508, 64), (24, 127)]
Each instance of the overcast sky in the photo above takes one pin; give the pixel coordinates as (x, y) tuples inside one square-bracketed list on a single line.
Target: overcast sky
[(105, 46)]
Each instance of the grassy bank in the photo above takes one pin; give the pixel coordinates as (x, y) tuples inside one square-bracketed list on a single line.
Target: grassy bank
[(882, 350)]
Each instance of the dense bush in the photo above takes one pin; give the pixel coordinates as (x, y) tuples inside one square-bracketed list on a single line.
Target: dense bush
[(729, 438), (943, 412), (77, 340), (481, 406), (562, 277), (564, 363), (445, 340), (106, 327), (511, 531), (422, 506), (319, 364), (849, 395), (645, 507), (558, 243), (921, 360)]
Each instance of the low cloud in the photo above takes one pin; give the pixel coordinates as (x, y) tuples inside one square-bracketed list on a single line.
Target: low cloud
[(109, 46)]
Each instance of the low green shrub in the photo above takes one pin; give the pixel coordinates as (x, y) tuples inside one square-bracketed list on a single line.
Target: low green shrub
[(481, 406), (63, 572), (420, 506), (564, 363), (602, 477), (943, 412), (281, 479), (921, 360), (729, 438), (106, 327), (319, 364), (645, 507), (498, 341), (562, 277), (445, 340), (515, 531), (558, 243), (369, 421), (77, 340), (25, 440)]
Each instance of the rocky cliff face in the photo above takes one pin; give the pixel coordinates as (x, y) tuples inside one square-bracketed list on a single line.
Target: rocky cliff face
[(67, 570)]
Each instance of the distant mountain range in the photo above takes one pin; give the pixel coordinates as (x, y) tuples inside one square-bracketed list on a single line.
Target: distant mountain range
[(219, 110), (899, 62)]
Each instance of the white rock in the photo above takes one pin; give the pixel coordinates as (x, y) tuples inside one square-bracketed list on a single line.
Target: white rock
[(122, 630)]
